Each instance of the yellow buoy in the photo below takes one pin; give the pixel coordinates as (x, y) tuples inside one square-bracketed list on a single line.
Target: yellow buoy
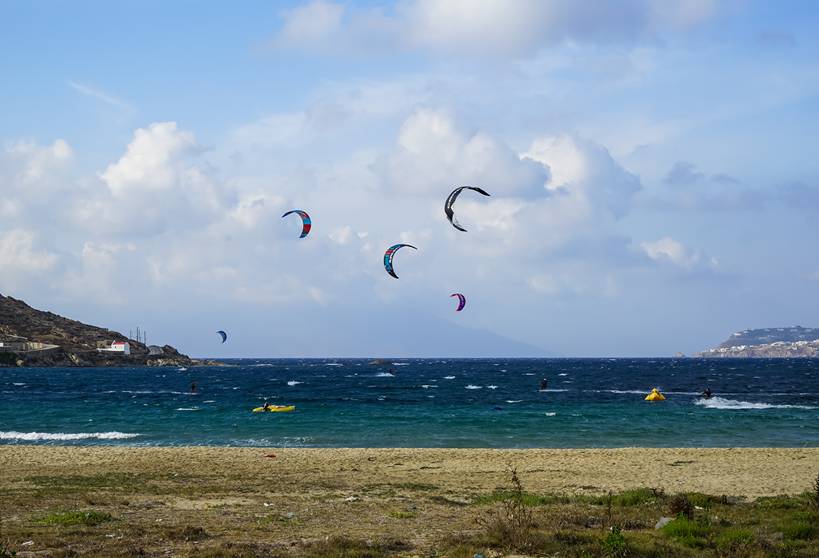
[(655, 395)]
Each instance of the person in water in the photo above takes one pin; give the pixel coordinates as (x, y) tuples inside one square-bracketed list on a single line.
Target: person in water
[(266, 406), (193, 387), (706, 394), (544, 384)]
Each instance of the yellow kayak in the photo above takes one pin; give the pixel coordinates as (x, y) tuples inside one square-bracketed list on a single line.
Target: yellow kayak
[(276, 409), (655, 395)]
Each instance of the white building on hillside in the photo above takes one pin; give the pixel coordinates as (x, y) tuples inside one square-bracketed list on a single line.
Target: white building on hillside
[(117, 347)]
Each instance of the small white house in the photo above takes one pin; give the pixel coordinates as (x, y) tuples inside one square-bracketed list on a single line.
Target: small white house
[(117, 347)]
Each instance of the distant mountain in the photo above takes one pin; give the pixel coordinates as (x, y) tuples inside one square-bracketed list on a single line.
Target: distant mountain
[(772, 342), (30, 337)]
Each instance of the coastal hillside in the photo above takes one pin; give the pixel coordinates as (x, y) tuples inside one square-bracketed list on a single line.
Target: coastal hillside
[(771, 342), (31, 337)]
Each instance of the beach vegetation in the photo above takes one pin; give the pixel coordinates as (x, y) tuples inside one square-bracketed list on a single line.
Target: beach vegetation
[(415, 486), (6, 552), (88, 518), (687, 532), (732, 539), (801, 526), (614, 544), (188, 533), (780, 502), (815, 492), (399, 514), (344, 547), (680, 506), (635, 497), (511, 525)]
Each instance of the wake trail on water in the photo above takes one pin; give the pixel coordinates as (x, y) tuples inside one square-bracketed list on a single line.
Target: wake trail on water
[(733, 404)]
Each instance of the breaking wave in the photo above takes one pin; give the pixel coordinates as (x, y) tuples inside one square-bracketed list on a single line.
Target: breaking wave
[(36, 436)]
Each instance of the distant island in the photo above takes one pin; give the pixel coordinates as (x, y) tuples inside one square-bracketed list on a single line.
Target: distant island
[(30, 337), (772, 342)]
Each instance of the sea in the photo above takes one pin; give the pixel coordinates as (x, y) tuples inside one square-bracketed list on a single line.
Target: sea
[(434, 402)]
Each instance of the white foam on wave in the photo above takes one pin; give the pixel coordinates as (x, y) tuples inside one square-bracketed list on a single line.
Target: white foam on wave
[(428, 386), (385, 375), (35, 436), (514, 400), (333, 364), (562, 374), (552, 390), (187, 409), (18, 383), (492, 387), (471, 386), (732, 404), (550, 414), (400, 363), (449, 377), (293, 383)]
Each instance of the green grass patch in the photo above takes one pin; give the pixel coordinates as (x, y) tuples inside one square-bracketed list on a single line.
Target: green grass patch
[(801, 526), (705, 501), (733, 538), (781, 503), (89, 518), (343, 547), (526, 498), (402, 514), (687, 532), (614, 544)]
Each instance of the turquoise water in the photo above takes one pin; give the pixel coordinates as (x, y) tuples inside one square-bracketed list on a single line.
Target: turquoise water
[(419, 403)]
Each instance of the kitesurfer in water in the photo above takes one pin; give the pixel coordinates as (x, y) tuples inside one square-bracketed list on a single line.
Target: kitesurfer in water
[(706, 394), (544, 384), (266, 406)]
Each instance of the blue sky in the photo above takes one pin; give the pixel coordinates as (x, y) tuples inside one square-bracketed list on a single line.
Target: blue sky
[(652, 164)]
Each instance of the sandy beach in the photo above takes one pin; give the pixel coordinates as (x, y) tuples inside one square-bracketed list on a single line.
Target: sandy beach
[(289, 498)]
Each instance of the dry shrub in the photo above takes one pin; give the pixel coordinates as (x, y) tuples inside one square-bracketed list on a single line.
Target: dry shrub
[(511, 524), (681, 505)]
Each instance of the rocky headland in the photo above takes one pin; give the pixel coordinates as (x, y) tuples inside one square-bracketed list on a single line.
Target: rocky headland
[(31, 337)]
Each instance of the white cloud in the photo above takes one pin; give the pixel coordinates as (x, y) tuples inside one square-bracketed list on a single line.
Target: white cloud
[(668, 250), (434, 154), (21, 258), (32, 162), (486, 28), (160, 183)]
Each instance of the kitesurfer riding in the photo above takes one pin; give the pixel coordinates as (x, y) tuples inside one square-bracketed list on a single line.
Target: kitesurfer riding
[(706, 394), (544, 384)]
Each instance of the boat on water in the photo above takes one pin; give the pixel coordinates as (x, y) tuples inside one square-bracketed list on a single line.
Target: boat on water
[(275, 409)]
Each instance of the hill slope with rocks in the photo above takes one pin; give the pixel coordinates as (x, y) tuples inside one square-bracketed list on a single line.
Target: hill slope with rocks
[(53, 340)]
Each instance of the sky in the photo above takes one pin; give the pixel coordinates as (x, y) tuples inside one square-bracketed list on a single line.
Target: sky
[(652, 163)]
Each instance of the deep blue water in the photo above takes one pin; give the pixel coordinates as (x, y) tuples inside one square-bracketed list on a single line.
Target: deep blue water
[(423, 403)]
